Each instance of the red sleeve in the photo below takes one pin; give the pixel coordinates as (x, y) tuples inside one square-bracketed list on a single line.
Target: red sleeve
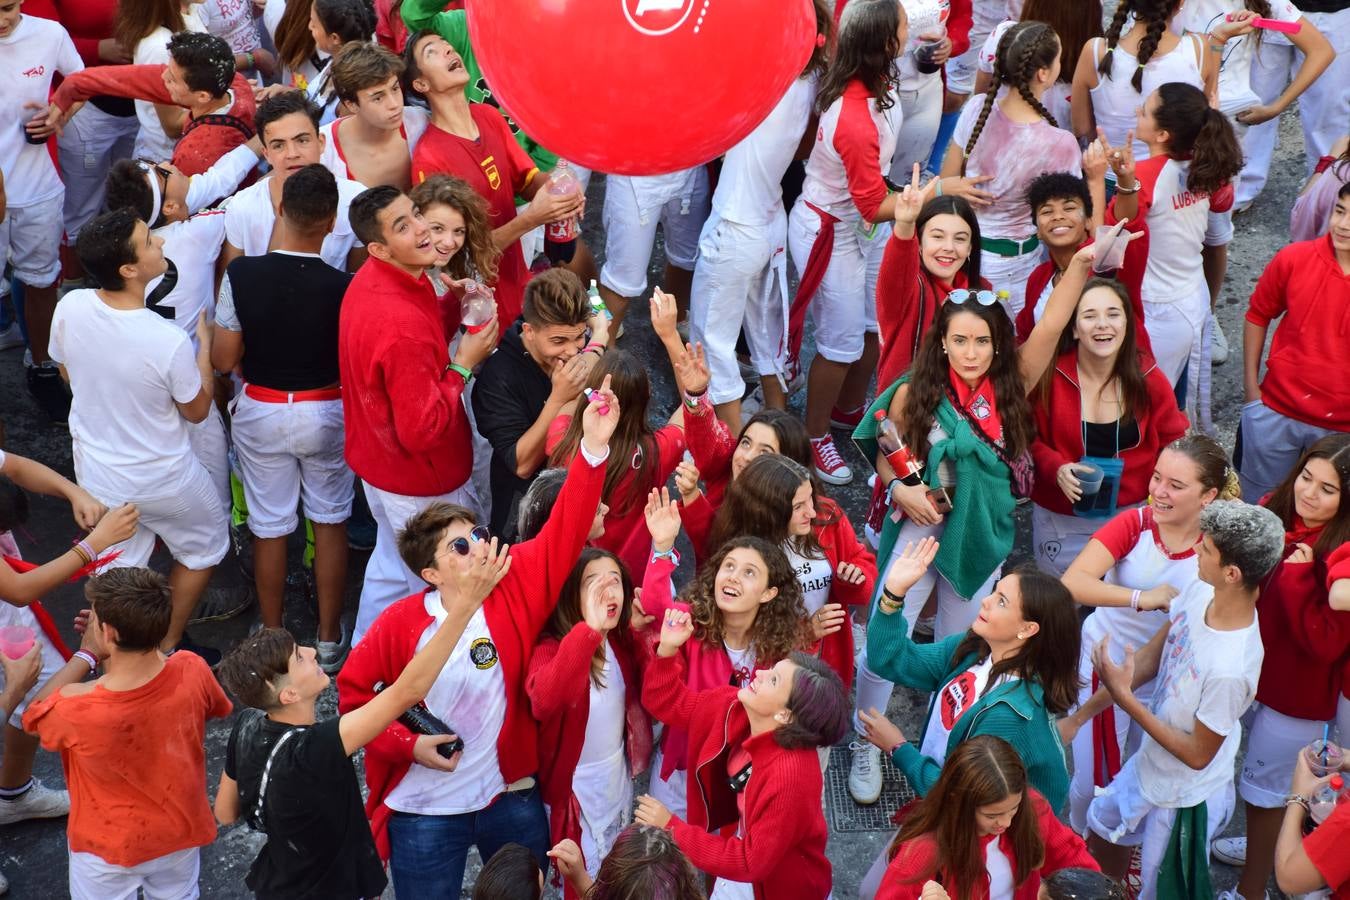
[(556, 429), (1047, 460), (1121, 533), (1269, 301), (904, 877), (959, 21), (1323, 633), (560, 671), (375, 659), (1338, 564), (134, 82), (1146, 173), (670, 447), (1172, 422), (1222, 199), (859, 147), (523, 169), (665, 695), (657, 593), (51, 727), (218, 704), (898, 313), (1063, 848), (425, 398), (710, 442), (848, 549), (1326, 848), (1036, 282)]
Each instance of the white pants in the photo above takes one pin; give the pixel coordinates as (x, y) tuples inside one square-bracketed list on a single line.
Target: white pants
[(187, 517), (634, 206), (955, 613), (169, 877), (91, 142), (740, 279), (30, 238), (388, 578), (845, 305), (1174, 329), (921, 112), (1010, 273), (1057, 539), (211, 447), (1323, 109)]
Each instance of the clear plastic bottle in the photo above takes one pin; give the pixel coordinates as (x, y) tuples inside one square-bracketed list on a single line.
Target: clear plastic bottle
[(477, 307), (597, 302), (560, 238), (906, 466), (1324, 800)]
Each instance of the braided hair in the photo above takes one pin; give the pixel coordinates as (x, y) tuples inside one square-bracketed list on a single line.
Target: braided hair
[(1155, 15), (1024, 49)]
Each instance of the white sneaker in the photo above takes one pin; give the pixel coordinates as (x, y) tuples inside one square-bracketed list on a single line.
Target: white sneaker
[(1230, 851), (9, 338), (1218, 346), (864, 776), (38, 803)]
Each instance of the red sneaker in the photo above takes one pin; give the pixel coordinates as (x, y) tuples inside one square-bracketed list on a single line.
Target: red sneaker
[(846, 421), (830, 466)]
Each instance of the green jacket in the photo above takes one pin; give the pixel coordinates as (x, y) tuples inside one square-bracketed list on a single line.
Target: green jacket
[(978, 533), (1014, 710), (453, 25)]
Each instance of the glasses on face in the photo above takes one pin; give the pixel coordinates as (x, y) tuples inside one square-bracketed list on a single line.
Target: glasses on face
[(462, 545), (984, 298)]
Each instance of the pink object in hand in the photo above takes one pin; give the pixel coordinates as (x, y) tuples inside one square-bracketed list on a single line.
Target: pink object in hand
[(16, 640), (1273, 24)]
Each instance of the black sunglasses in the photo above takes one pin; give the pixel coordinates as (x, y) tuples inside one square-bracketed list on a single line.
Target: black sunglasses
[(463, 545)]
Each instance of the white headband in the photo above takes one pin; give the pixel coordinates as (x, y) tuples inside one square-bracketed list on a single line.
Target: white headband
[(157, 200)]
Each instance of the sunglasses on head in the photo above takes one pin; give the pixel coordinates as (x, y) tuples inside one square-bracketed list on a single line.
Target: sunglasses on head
[(462, 545), (984, 298)]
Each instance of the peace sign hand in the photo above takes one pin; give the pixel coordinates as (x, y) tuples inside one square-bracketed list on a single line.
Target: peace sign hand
[(909, 202)]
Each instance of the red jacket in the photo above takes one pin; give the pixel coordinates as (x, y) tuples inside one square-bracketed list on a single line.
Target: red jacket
[(407, 431), (907, 873), (1338, 567), (1311, 346), (712, 445), (1059, 433), (203, 142), (780, 844), (907, 300), (516, 611), (88, 21), (560, 699)]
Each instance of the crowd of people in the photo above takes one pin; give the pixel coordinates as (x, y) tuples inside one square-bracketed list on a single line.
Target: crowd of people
[(287, 270)]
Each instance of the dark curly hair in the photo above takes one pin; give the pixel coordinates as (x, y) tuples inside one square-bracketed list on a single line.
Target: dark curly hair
[(1024, 49), (867, 52), (780, 625)]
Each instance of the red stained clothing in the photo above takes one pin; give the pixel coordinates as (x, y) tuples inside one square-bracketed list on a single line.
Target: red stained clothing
[(1059, 434), (779, 846), (497, 168), (907, 300), (516, 611), (87, 21), (1338, 567), (1305, 284), (407, 431), (203, 142), (559, 690), (913, 863), (1326, 851)]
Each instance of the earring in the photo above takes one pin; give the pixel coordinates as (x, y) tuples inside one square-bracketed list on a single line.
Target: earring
[(1020, 636), (944, 351)]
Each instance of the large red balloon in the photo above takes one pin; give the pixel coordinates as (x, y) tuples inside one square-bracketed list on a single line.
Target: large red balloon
[(640, 87)]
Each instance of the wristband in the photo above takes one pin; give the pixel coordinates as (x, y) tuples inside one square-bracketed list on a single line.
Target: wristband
[(594, 347), (1324, 163), (87, 657), (692, 400), (248, 60), (666, 554), (1300, 800), (890, 486), (902, 742), (1134, 600), (465, 373), (1129, 190), (88, 548), (79, 551), (938, 189)]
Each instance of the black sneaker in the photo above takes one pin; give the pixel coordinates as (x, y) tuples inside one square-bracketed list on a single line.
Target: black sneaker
[(209, 655), (49, 390), (219, 604)]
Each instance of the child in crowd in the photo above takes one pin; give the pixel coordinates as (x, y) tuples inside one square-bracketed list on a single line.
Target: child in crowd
[(374, 144)]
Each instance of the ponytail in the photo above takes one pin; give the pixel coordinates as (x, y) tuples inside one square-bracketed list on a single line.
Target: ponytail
[(1201, 133)]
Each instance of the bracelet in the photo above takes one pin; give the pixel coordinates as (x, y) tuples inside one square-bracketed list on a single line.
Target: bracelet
[(938, 189), (889, 602), (1300, 800), (79, 551), (890, 486), (88, 548), (88, 657), (1134, 599), (692, 400), (463, 372), (594, 347), (902, 742), (248, 60), (666, 554), (1127, 191)]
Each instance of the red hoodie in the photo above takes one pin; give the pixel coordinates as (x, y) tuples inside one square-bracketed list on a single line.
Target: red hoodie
[(908, 871), (779, 846), (560, 700), (516, 611), (1059, 433)]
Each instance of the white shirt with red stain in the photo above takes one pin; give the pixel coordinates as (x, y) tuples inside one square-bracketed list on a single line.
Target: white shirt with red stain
[(854, 145)]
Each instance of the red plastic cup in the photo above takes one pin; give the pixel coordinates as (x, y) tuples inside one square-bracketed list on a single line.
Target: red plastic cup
[(16, 640)]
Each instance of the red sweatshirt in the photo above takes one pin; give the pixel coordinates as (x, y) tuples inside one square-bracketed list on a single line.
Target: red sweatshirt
[(1338, 567), (712, 445), (908, 871), (560, 698), (1305, 284), (203, 142), (516, 611), (779, 845), (87, 21), (1307, 642), (907, 300), (1059, 433), (407, 431)]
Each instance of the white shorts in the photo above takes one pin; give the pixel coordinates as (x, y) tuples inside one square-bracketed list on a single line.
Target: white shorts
[(173, 876), (740, 279), (1274, 742), (291, 453), (961, 70), (630, 218), (23, 616), (30, 239), (845, 305), (211, 447), (1121, 815), (188, 519)]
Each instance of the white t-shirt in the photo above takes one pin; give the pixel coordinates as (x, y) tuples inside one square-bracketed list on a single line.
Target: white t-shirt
[(232, 21), (742, 665), (35, 51), (952, 702), (1177, 218), (151, 141), (750, 188), (1207, 676), (193, 246), (250, 219), (841, 166), (999, 869), (814, 574), (127, 369), (605, 721), (1235, 68), (333, 158), (469, 696), (221, 180)]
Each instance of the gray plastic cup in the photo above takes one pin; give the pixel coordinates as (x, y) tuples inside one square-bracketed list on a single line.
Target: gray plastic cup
[(1090, 479)]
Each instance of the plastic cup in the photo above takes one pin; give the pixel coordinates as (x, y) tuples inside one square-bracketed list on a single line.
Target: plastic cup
[(16, 640), (1324, 757), (1090, 479)]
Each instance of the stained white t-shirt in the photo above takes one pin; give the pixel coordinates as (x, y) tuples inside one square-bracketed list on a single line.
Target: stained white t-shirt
[(250, 219), (1056, 98), (127, 370), (232, 21), (29, 56), (1205, 675), (151, 141), (1235, 66)]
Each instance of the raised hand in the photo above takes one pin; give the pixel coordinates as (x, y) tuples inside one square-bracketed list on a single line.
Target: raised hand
[(600, 418), (600, 596), (663, 519), (910, 565), (691, 369), (664, 311), (686, 481), (488, 564), (910, 201), (676, 629), (1120, 159)]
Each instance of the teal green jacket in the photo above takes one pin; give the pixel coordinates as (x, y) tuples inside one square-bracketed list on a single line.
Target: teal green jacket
[(453, 25), (1014, 710)]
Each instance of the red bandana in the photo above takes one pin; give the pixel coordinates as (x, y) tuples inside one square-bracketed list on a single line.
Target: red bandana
[(979, 403)]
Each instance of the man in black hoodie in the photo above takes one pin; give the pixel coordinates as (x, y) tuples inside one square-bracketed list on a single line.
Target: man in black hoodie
[(539, 368)]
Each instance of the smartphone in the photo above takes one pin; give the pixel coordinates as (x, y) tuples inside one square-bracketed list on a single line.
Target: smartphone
[(941, 502)]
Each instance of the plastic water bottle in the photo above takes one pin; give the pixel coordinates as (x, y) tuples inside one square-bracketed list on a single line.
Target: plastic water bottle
[(1324, 800), (597, 302), (560, 238), (477, 307)]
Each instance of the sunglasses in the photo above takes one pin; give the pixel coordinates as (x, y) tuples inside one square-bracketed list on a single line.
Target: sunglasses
[(462, 545), (984, 298)]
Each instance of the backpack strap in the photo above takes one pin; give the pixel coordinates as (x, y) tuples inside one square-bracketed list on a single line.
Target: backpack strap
[(224, 120)]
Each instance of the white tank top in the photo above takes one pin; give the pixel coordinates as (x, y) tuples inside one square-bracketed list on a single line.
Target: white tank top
[(1114, 99)]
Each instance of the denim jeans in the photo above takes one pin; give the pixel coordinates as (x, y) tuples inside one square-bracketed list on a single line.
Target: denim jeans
[(427, 853)]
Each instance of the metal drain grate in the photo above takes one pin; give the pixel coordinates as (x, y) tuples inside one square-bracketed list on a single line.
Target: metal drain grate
[(847, 816)]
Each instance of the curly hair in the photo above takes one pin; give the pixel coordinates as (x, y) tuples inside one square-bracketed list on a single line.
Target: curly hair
[(1198, 132), (479, 255), (1155, 16), (780, 626), (1024, 49), (867, 52)]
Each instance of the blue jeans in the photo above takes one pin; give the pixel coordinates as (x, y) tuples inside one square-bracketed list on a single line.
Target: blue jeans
[(427, 853)]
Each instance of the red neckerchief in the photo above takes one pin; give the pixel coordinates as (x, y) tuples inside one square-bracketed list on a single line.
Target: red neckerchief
[(979, 403)]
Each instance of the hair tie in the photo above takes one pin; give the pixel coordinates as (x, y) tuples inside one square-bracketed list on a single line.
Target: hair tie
[(1141, 65), (820, 40)]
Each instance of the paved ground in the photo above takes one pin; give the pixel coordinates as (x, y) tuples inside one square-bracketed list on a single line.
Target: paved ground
[(33, 855)]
